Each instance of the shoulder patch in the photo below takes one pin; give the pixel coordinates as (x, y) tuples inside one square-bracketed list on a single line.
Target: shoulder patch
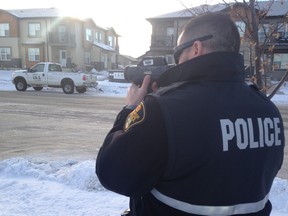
[(135, 117)]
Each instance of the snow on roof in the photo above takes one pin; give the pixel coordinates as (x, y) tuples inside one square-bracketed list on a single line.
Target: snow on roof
[(278, 8), (104, 46), (188, 12), (50, 13), (36, 12)]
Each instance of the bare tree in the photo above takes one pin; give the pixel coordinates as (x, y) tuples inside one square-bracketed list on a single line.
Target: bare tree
[(255, 18)]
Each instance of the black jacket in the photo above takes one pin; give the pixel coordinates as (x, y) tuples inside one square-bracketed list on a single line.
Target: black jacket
[(209, 142)]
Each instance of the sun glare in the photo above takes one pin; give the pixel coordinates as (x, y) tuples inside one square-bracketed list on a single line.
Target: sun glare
[(73, 12), (127, 17)]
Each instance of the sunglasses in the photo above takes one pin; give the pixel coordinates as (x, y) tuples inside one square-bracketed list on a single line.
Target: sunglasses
[(178, 50)]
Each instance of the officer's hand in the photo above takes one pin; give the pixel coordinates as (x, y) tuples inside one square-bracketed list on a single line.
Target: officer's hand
[(136, 94), (154, 87)]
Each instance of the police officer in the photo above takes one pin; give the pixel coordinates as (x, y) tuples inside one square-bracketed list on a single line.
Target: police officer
[(205, 143)]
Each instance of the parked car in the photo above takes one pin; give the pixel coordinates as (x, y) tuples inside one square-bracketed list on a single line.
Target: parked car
[(48, 74)]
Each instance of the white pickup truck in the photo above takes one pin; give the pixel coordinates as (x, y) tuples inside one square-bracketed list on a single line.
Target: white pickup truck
[(52, 75)]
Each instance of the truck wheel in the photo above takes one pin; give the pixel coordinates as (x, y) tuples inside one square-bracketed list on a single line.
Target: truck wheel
[(81, 89), (68, 87), (38, 88), (20, 85)]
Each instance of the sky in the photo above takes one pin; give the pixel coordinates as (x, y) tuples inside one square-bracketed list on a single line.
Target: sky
[(127, 17), (41, 185)]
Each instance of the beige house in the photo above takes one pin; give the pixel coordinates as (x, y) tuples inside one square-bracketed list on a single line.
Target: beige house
[(28, 36)]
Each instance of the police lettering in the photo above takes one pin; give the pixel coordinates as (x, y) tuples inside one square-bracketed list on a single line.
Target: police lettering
[(244, 132)]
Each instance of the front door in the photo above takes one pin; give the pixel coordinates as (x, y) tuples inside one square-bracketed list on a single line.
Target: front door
[(63, 57)]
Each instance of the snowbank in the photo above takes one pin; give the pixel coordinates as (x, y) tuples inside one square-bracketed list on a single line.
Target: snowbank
[(30, 186)]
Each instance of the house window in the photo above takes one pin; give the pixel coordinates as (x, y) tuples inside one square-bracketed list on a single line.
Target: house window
[(170, 59), (96, 36), (88, 34), (280, 61), (241, 27), (4, 29), (5, 53), (264, 32), (282, 30), (62, 33), (170, 31), (87, 56), (110, 41), (169, 36), (34, 30), (33, 54), (100, 36)]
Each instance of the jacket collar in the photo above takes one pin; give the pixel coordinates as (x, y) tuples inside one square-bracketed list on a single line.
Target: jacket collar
[(217, 66)]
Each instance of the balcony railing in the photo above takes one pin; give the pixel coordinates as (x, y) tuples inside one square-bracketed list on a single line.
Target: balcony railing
[(62, 39)]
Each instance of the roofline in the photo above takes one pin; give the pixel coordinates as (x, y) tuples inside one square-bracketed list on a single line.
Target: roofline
[(175, 14), (15, 13)]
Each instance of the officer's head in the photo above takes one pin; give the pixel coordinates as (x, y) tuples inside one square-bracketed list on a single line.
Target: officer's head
[(210, 32)]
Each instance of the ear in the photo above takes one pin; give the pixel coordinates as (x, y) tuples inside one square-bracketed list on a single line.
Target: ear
[(197, 49)]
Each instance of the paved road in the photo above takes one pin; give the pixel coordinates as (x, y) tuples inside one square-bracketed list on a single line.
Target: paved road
[(56, 125)]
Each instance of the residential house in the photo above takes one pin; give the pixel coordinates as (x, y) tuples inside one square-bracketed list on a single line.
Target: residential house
[(28, 36), (167, 27)]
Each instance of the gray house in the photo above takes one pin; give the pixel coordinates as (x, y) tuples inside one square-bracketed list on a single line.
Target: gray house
[(166, 29)]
